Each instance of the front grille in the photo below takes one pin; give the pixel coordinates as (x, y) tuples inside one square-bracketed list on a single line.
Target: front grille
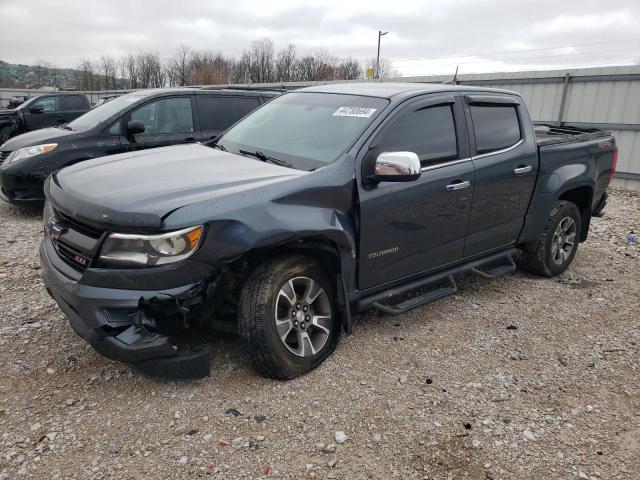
[(75, 242), (4, 154), (79, 226), (71, 256)]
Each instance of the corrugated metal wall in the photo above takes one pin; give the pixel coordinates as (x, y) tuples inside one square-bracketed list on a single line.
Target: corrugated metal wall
[(607, 98)]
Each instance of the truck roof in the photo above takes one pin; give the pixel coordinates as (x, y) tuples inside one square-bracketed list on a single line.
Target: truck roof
[(390, 89)]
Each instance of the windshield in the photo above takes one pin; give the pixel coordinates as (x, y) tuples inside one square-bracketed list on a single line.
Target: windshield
[(306, 130), (94, 117)]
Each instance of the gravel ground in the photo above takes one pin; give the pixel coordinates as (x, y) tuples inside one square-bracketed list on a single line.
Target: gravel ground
[(518, 377)]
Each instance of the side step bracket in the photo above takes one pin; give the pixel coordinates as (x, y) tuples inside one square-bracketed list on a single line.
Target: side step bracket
[(493, 269), (413, 302)]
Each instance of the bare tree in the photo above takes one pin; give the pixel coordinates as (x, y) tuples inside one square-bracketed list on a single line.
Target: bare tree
[(209, 68), (316, 65), (258, 64), (348, 69), (108, 72), (85, 76), (42, 74), (385, 69), (148, 71), (260, 58), (285, 67), (179, 66)]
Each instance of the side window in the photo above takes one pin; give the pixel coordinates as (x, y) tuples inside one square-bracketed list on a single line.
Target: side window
[(219, 113), (166, 116), (48, 104), (72, 102), (116, 128), (429, 132), (495, 126)]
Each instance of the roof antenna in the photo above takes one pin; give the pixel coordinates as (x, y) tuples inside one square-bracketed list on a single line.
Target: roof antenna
[(455, 78)]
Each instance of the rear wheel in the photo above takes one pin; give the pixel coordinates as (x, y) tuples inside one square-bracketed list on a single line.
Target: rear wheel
[(287, 317), (558, 243)]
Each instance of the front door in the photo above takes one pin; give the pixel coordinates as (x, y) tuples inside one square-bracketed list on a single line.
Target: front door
[(43, 112), (167, 121), (506, 165), (409, 228)]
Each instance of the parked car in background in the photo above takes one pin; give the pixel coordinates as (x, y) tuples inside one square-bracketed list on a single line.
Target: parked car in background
[(42, 111), (136, 121), (326, 201)]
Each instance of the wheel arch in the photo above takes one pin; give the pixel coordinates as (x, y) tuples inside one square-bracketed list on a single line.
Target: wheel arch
[(338, 264), (582, 197)]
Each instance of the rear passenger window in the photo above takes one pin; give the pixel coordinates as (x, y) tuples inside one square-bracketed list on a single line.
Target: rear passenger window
[(219, 113), (72, 102), (429, 132), (495, 126)]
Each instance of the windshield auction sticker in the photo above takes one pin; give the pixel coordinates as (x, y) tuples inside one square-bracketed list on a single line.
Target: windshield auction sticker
[(361, 112)]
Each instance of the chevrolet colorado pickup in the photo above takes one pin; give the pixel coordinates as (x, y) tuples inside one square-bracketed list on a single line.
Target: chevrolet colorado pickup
[(42, 111), (135, 121), (324, 202)]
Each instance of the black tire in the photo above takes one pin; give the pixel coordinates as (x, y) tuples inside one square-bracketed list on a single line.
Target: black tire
[(4, 134), (541, 261), (257, 317)]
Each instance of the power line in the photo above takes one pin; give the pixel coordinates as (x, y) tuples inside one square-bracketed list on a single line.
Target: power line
[(523, 51)]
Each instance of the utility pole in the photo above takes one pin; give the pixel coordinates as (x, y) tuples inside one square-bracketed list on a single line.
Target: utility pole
[(380, 34)]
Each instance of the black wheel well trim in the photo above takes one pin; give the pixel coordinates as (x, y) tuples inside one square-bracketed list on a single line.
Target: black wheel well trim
[(330, 258), (581, 195)]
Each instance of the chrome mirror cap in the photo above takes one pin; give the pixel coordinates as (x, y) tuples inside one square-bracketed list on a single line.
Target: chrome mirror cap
[(397, 167)]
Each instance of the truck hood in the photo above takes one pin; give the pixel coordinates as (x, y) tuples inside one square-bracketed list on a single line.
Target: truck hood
[(4, 113), (140, 189), (37, 137)]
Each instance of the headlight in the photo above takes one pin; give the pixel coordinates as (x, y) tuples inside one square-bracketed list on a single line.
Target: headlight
[(141, 250), (28, 152)]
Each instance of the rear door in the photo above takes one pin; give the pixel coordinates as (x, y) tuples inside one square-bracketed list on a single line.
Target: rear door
[(219, 112), (167, 121), (43, 112), (505, 159), (411, 227), (72, 107)]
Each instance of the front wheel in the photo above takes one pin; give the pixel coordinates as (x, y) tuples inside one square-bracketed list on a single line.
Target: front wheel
[(558, 243), (287, 317)]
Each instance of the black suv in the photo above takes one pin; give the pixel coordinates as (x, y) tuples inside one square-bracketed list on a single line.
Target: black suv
[(41, 112), (136, 121)]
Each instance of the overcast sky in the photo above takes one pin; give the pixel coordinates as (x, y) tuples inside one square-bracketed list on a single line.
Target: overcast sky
[(424, 36)]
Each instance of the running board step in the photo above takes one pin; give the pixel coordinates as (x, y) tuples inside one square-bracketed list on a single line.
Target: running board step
[(497, 268), (419, 300)]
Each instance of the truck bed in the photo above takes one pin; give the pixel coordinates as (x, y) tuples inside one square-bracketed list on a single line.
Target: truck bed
[(552, 135)]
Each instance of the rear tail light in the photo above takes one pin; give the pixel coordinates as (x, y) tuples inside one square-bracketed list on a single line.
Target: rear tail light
[(614, 164)]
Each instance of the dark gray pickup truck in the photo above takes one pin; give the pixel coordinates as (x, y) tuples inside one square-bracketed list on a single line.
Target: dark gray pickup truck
[(324, 202)]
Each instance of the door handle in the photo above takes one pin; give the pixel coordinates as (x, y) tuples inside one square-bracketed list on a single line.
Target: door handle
[(522, 169), (458, 185)]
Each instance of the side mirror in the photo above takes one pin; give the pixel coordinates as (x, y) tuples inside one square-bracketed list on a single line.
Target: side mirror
[(397, 167), (135, 127), (36, 109)]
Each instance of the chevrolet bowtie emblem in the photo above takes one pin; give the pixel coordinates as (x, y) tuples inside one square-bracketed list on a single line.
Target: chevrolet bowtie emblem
[(54, 230)]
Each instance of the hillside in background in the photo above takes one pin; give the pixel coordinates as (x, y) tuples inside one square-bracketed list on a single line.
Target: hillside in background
[(36, 76)]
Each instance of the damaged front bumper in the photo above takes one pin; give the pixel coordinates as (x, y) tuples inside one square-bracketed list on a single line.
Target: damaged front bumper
[(124, 324)]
